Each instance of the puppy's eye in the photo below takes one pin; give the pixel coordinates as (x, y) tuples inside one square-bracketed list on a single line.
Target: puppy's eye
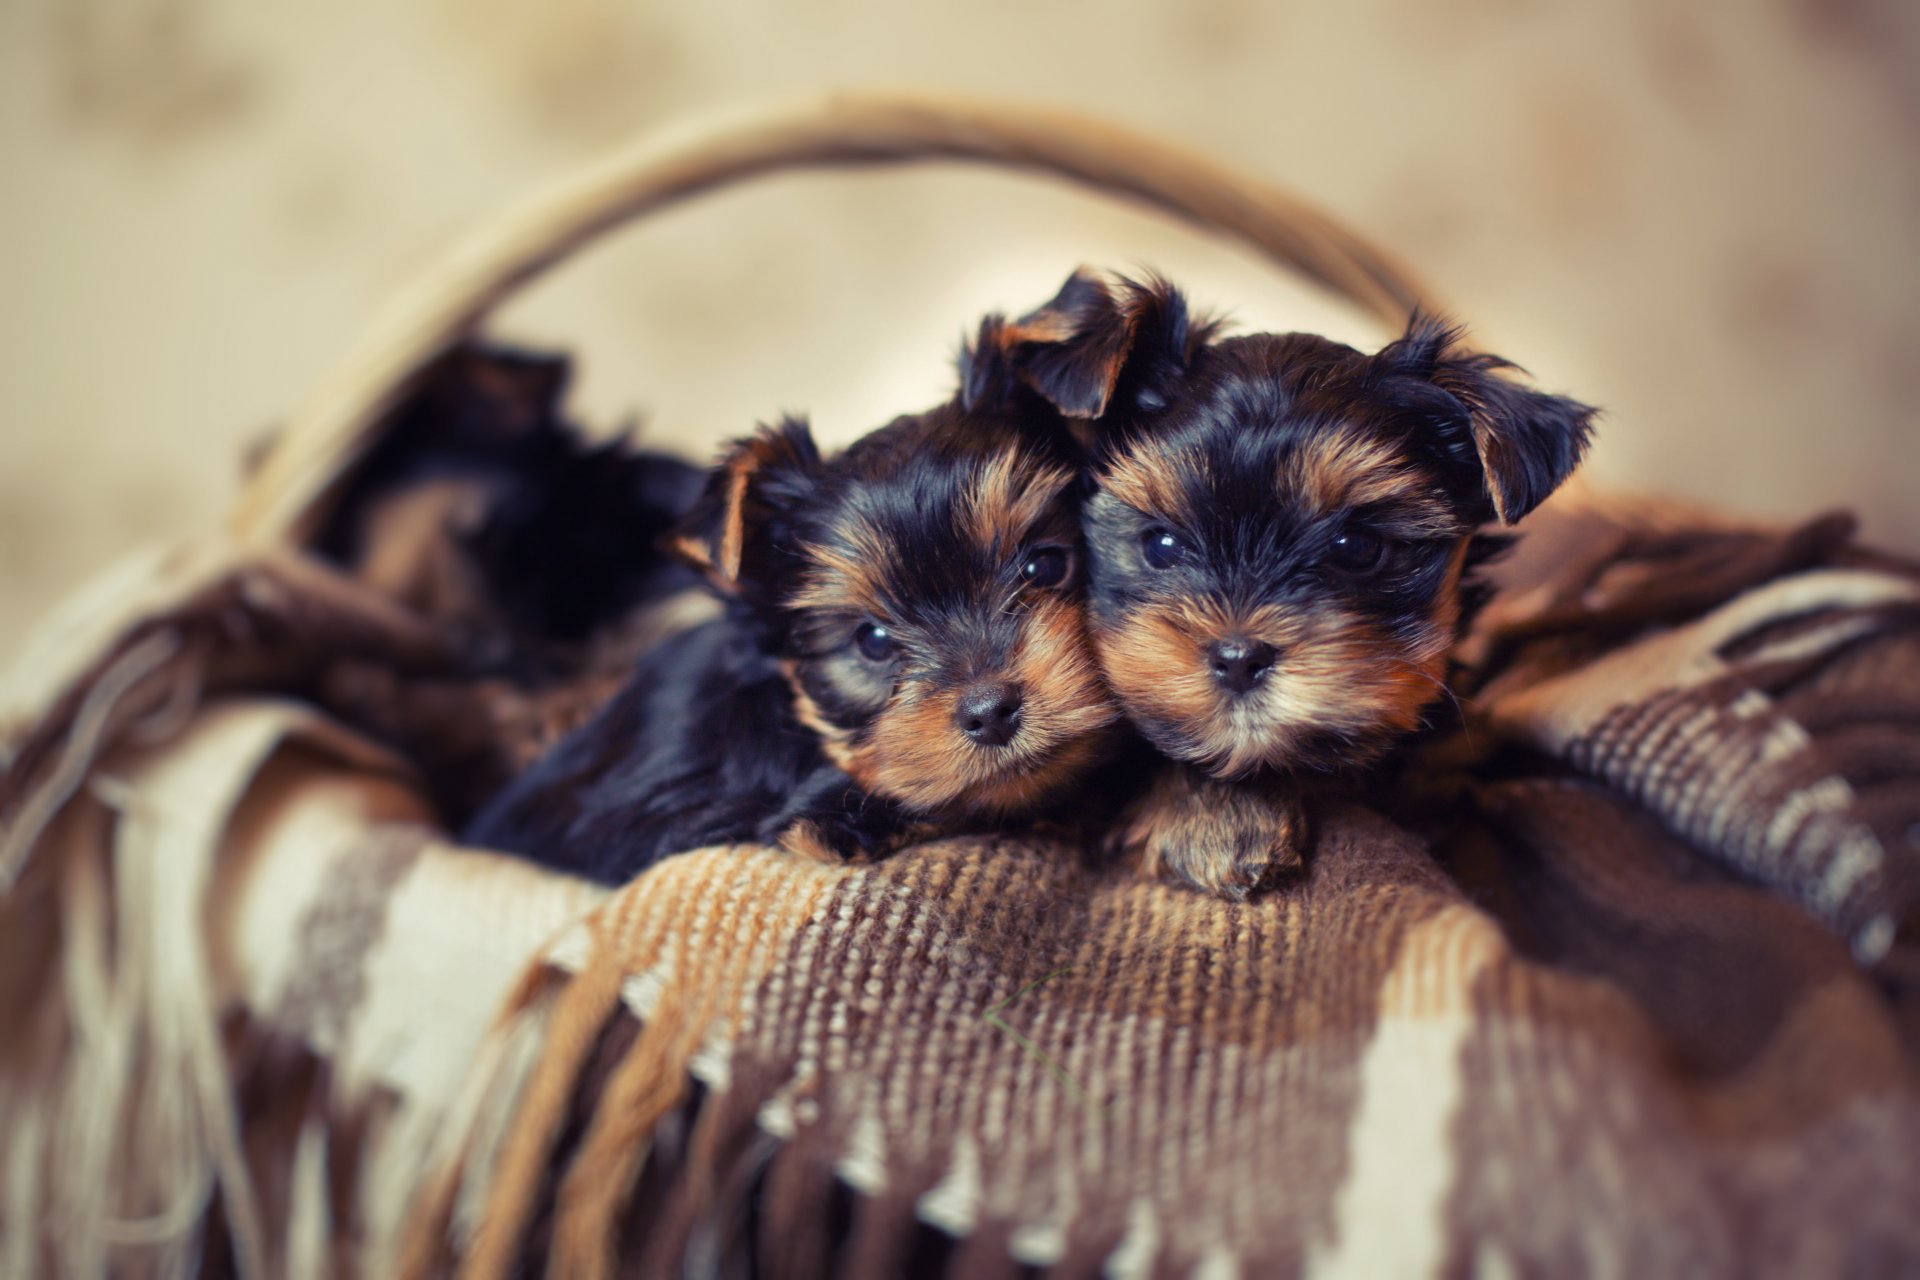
[(875, 642), (1045, 567), (1162, 548), (1356, 550)]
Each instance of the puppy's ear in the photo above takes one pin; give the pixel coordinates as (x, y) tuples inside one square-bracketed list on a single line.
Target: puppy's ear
[(1098, 337), (1522, 442), (726, 532)]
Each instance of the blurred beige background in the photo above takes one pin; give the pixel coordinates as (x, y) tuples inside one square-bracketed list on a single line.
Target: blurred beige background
[(1703, 216)]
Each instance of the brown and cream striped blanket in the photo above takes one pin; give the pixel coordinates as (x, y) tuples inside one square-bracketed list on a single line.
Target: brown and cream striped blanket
[(1625, 983)]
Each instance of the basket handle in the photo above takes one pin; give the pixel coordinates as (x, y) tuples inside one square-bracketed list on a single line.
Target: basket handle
[(288, 495)]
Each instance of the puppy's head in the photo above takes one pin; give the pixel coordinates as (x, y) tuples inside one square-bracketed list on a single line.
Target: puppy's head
[(924, 591), (1281, 524)]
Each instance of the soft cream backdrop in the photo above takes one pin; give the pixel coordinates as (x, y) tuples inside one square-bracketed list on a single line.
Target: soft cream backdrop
[(1703, 216)]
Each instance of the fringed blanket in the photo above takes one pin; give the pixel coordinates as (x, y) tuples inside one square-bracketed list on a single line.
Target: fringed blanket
[(1624, 983)]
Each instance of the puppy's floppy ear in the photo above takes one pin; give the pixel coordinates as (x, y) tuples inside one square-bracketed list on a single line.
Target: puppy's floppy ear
[(1524, 442), (725, 532), (1096, 336)]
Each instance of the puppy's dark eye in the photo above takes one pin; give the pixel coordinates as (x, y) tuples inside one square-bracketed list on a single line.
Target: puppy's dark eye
[(1356, 550), (1162, 548), (875, 642), (1045, 567)]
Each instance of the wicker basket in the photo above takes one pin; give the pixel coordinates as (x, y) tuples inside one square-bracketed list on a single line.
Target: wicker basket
[(127, 661)]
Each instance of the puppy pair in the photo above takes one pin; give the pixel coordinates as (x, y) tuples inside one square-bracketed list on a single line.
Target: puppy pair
[(902, 652), (1278, 533), (1281, 533)]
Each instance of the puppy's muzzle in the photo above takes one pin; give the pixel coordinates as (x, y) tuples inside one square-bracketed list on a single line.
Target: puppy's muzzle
[(1238, 664), (989, 712)]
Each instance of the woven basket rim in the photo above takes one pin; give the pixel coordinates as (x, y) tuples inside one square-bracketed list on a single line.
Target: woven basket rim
[(288, 495)]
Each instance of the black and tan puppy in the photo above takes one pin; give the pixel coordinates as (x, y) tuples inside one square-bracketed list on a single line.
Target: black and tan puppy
[(902, 652), (1280, 539)]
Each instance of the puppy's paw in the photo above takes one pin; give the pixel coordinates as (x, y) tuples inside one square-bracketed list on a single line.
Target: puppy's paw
[(838, 836), (1224, 838), (819, 842)]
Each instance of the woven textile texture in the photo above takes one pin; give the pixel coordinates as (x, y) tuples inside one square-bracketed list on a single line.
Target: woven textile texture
[(1623, 980)]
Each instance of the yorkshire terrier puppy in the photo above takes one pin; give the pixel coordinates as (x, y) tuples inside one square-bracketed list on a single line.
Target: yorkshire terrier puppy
[(479, 486), (902, 652), (1280, 536)]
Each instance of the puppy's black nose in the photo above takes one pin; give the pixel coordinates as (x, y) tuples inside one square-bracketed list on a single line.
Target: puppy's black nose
[(989, 713), (1239, 664)]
